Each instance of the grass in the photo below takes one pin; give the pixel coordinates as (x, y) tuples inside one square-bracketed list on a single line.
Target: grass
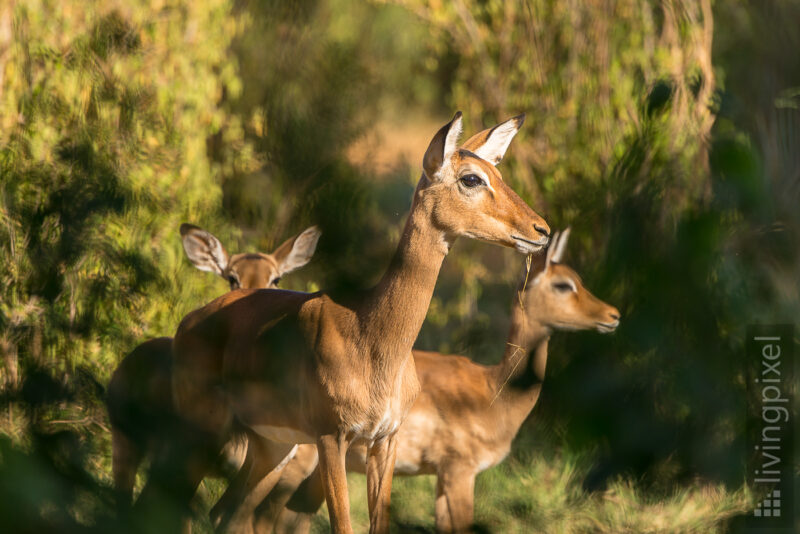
[(544, 494), (527, 493)]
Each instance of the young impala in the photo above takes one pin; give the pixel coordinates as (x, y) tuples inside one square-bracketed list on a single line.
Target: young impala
[(139, 399), (301, 368), (466, 414)]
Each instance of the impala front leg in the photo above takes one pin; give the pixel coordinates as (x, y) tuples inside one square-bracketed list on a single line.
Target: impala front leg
[(455, 496), (332, 450), (380, 468)]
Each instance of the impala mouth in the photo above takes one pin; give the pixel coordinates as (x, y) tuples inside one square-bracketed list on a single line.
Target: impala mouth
[(526, 246), (607, 327)]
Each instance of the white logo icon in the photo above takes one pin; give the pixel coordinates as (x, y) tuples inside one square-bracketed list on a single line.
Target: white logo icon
[(770, 506)]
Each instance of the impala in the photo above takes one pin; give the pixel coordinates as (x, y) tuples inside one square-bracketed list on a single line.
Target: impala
[(297, 368), (466, 414), (139, 399)]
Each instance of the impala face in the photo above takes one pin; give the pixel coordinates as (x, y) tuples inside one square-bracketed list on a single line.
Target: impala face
[(558, 298), (472, 199), (248, 271), (252, 270)]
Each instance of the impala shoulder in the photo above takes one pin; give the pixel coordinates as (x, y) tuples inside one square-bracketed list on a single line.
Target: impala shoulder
[(320, 318), (153, 353), (327, 311), (313, 309), (190, 320)]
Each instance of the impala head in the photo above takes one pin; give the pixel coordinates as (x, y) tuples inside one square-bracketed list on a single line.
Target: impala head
[(555, 296), (469, 197), (248, 271)]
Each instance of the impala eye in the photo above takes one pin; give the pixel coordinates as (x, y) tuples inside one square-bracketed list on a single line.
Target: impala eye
[(276, 281), (563, 287), (233, 280), (472, 180)]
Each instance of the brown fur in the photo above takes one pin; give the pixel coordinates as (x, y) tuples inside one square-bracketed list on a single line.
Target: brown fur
[(139, 398), (301, 368), (467, 414)]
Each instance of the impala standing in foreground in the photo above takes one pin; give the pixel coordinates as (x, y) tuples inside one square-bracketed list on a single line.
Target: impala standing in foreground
[(300, 368), (466, 414), (139, 399)]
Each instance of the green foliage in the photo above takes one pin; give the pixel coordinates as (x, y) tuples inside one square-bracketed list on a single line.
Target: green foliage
[(580, 71), (664, 140), (105, 156), (106, 110)]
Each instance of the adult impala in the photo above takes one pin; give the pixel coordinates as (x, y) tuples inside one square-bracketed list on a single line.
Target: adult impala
[(466, 414), (139, 399), (301, 368)]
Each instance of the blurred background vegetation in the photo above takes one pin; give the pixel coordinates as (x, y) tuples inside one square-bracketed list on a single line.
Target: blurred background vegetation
[(666, 134)]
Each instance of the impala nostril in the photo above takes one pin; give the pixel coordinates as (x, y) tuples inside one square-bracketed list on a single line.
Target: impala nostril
[(542, 230), (615, 316)]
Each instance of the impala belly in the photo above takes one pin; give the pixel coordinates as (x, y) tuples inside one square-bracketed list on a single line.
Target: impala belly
[(415, 443), (403, 467), (386, 426), (286, 459), (282, 434), (491, 459), (378, 427)]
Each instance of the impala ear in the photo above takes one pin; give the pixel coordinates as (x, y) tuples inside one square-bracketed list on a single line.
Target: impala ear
[(551, 250), (560, 247), (442, 147), (203, 249), (297, 251), (491, 144)]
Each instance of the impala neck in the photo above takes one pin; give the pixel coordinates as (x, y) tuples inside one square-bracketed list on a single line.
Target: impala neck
[(393, 311), (521, 373)]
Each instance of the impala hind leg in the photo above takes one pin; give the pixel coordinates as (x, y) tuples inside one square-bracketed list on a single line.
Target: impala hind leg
[(165, 502), (294, 500), (380, 469), (332, 450), (296, 516), (455, 497), (126, 456), (265, 461), (188, 455), (227, 503)]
